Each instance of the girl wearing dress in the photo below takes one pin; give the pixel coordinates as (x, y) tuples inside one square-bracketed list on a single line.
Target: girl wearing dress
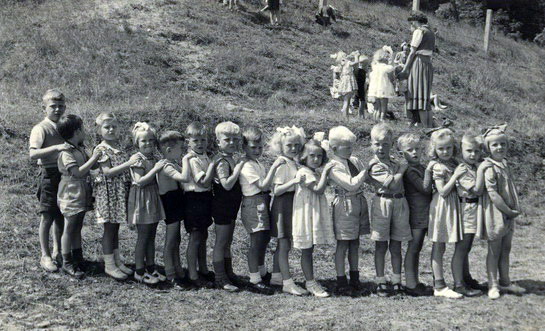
[(445, 220), (381, 87), (111, 188), (347, 81), (287, 144), (144, 206), (75, 193), (497, 212), (336, 71), (312, 223)]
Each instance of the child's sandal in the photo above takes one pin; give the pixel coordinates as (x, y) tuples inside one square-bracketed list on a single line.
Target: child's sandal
[(146, 278)]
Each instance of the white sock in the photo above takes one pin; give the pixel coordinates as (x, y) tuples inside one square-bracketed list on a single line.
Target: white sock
[(380, 280), (396, 279), (255, 277), (262, 270), (288, 282)]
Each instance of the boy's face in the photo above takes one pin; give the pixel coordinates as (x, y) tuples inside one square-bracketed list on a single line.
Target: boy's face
[(198, 143), (54, 109), (343, 150), (471, 153), (291, 145), (381, 147), (228, 143), (174, 152), (109, 130), (498, 147), (253, 149), (412, 153)]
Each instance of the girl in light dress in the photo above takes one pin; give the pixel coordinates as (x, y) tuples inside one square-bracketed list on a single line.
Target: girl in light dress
[(312, 224), (381, 87), (348, 85)]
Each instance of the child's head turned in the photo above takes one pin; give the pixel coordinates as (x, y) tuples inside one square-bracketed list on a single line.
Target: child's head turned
[(107, 126), (252, 142), (53, 104), (288, 141), (381, 140), (496, 142), (313, 155), (144, 137), (228, 137), (471, 146), (410, 145), (197, 137), (381, 56), (171, 144), (443, 145), (341, 141), (70, 127)]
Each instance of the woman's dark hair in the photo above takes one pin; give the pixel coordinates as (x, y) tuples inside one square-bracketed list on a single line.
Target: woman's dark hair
[(68, 125), (418, 17)]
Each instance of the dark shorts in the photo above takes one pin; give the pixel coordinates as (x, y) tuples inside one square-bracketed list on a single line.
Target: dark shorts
[(225, 209), (197, 211), (281, 214), (48, 186), (173, 204)]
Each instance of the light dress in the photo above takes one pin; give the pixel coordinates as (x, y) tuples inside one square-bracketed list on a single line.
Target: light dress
[(380, 85)]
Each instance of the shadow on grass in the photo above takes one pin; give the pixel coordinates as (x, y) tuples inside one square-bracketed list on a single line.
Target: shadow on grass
[(536, 287)]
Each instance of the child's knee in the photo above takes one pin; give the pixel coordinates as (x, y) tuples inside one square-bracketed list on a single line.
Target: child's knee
[(381, 247)]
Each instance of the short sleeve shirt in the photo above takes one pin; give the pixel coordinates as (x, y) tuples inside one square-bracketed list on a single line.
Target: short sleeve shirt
[(252, 172), (498, 178), (340, 176), (43, 135), (198, 167), (466, 183), (416, 40), (165, 177), (382, 175), (285, 173), (73, 158)]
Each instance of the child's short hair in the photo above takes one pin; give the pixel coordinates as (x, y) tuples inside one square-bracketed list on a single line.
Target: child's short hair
[(105, 117), (441, 135), (381, 131), (312, 143), (251, 133), (170, 138), (408, 139), (340, 134), (142, 127), (53, 94), (227, 128), (275, 143), (195, 129), (68, 125)]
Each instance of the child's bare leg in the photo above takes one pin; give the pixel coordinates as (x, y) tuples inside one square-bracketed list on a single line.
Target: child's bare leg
[(192, 253), (340, 256), (437, 252), (346, 104), (353, 255), (220, 247), (203, 266), (45, 226), (284, 247), (412, 257), (381, 247), (254, 252), (307, 263), (171, 254), (57, 234), (150, 247), (503, 266), (395, 254)]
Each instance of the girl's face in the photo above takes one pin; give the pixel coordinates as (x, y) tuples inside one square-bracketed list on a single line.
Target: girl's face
[(146, 142), (445, 149), (471, 153), (109, 130), (198, 143), (412, 153), (253, 149), (343, 149), (315, 157), (228, 143), (291, 145), (497, 146)]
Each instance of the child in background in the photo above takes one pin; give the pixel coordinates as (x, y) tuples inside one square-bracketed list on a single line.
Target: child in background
[(350, 212), (226, 202), (389, 209), (170, 180), (255, 183), (45, 144), (336, 71), (311, 220), (75, 193), (198, 204), (381, 87), (360, 72), (273, 6), (287, 144), (111, 188), (497, 213), (445, 220), (144, 206), (399, 62), (347, 82), (417, 184)]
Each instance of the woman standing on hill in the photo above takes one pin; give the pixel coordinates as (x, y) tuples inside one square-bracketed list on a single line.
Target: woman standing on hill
[(419, 71)]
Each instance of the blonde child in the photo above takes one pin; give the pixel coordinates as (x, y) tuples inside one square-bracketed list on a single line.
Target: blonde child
[(389, 208), (417, 184), (255, 182), (198, 204), (111, 188), (445, 220), (336, 71), (287, 144), (347, 81), (144, 206), (75, 193), (312, 223), (497, 212), (169, 180), (350, 211), (45, 144), (381, 87), (226, 202)]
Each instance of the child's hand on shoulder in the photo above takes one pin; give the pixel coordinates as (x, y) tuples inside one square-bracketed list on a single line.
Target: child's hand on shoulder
[(514, 213), (429, 168), (328, 168), (278, 162), (159, 165), (460, 171), (300, 179), (64, 147), (188, 156), (403, 167)]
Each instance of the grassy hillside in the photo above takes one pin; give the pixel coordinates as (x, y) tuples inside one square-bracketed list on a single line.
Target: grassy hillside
[(174, 61)]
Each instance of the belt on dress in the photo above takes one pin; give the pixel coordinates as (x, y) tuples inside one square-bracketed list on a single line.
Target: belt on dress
[(391, 196), (469, 200)]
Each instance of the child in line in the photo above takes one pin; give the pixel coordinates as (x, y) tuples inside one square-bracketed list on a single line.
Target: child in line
[(75, 193), (111, 188), (381, 87), (445, 220), (255, 182), (45, 144), (170, 179), (417, 184), (389, 208), (144, 206), (350, 211), (312, 223), (287, 144), (469, 187), (198, 204), (226, 202), (497, 213)]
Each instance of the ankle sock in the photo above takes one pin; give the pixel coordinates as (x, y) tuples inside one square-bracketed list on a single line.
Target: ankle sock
[(311, 282), (342, 281), (380, 280), (396, 279), (288, 282), (439, 284), (276, 276), (255, 277)]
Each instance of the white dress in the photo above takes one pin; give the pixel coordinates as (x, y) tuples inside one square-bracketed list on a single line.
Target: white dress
[(380, 85), (312, 224)]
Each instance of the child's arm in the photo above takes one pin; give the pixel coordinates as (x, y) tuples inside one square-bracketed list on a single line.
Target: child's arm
[(283, 188), (495, 197), (443, 188), (109, 171), (82, 170), (139, 176), (479, 180), (422, 185), (319, 188), (186, 168), (266, 183), (382, 176), (346, 181), (38, 153), (206, 180), (223, 169)]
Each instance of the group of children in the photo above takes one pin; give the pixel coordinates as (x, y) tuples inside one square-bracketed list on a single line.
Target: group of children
[(451, 201)]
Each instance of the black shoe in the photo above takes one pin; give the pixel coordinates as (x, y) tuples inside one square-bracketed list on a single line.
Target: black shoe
[(475, 285), (225, 284), (180, 284), (267, 278), (261, 288), (418, 291), (343, 290), (355, 284), (383, 290), (397, 289), (235, 280), (71, 270), (210, 276), (467, 292)]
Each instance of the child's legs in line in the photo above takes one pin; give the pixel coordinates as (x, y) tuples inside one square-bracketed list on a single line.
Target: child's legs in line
[(503, 266), (307, 263), (395, 254), (340, 256), (254, 252), (223, 232), (150, 246), (46, 220), (380, 257), (264, 239), (230, 241), (203, 267), (58, 228), (76, 242), (353, 255), (412, 257), (492, 261), (461, 251), (467, 273), (109, 238), (192, 252), (284, 247), (437, 252), (71, 227), (171, 254)]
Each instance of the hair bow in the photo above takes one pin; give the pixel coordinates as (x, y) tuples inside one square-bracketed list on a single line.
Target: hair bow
[(291, 131), (141, 126), (320, 137), (445, 124), (494, 130)]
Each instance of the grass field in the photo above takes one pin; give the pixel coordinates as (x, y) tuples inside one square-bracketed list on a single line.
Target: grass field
[(174, 61)]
